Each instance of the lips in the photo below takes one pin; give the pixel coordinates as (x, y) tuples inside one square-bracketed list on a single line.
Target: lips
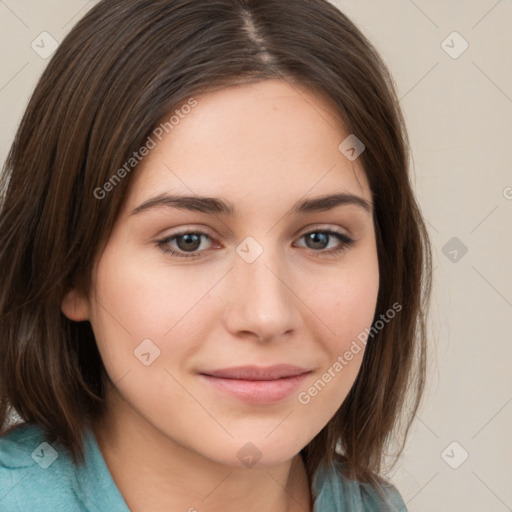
[(257, 385), (274, 372)]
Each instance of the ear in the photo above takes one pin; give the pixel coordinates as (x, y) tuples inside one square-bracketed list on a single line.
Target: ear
[(75, 306)]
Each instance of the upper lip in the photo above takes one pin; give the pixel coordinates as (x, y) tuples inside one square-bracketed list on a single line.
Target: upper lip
[(274, 372)]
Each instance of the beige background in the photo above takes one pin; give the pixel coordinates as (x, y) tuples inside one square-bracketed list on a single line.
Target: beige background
[(459, 114)]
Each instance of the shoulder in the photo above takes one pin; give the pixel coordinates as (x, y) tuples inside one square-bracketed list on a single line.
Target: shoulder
[(335, 492), (34, 475)]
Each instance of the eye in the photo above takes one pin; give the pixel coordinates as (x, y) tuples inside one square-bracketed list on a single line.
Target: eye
[(319, 239), (186, 244), (186, 241)]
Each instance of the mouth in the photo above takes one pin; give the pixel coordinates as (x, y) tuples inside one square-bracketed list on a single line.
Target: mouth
[(258, 385)]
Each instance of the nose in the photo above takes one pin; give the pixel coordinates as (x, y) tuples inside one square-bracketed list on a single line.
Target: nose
[(261, 300)]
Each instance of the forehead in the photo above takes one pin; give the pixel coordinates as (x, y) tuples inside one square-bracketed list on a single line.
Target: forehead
[(262, 143)]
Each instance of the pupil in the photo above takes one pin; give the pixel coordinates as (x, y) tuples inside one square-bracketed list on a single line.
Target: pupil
[(318, 238)]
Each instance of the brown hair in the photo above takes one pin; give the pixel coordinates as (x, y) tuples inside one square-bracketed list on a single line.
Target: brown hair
[(118, 72)]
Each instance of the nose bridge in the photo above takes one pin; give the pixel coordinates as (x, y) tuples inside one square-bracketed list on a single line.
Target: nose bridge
[(262, 302)]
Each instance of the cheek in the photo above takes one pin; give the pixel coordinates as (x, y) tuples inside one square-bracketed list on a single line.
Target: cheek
[(346, 303), (138, 300), (346, 307), (144, 297)]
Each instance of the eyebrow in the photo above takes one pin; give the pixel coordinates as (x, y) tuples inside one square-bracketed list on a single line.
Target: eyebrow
[(215, 205)]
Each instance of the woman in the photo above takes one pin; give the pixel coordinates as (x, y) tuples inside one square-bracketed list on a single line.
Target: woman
[(215, 273)]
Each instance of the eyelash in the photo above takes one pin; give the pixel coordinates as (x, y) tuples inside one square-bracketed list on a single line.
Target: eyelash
[(346, 243)]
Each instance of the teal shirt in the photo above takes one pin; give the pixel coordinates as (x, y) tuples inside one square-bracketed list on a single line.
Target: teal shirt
[(38, 477)]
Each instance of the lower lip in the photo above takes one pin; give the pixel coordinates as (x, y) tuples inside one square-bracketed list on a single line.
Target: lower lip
[(258, 391)]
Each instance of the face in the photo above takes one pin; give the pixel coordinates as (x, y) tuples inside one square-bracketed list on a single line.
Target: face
[(185, 294)]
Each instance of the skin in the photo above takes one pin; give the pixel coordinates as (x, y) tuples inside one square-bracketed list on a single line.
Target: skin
[(263, 147)]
